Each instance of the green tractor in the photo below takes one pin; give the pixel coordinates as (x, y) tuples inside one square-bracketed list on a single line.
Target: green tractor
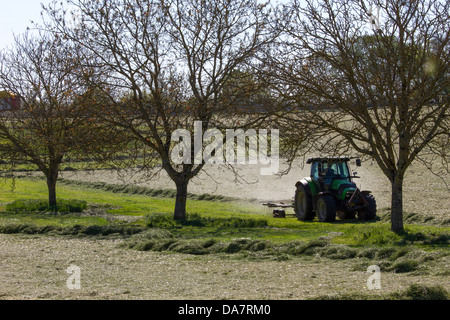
[(330, 191)]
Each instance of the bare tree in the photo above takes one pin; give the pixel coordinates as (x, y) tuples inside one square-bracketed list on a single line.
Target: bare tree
[(164, 65), (368, 77), (51, 123)]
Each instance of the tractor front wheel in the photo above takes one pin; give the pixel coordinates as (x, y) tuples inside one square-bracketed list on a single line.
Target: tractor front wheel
[(326, 209)]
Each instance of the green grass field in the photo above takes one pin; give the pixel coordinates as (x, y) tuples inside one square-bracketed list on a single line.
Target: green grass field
[(226, 219)]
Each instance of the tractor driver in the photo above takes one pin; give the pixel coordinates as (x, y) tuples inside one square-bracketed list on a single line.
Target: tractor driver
[(330, 172)]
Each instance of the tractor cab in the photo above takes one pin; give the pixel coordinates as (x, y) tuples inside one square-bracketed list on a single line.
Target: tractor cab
[(324, 171)]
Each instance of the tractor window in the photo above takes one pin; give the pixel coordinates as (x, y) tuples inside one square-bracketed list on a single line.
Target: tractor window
[(335, 170), (340, 169), (315, 171), (329, 170), (344, 170), (320, 169)]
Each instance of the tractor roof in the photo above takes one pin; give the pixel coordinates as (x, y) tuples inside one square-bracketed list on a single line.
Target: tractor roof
[(329, 159)]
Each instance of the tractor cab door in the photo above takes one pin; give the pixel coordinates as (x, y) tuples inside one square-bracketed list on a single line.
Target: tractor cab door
[(317, 175)]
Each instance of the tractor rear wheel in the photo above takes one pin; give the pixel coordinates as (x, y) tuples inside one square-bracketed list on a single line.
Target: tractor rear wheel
[(303, 204), (370, 212), (326, 209)]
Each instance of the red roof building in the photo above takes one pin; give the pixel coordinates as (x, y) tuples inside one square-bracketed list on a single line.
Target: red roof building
[(9, 101)]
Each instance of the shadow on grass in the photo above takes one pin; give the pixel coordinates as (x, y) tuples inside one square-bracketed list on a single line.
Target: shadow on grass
[(164, 220), (40, 205)]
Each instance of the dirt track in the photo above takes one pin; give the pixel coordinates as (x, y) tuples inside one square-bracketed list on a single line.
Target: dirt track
[(35, 267)]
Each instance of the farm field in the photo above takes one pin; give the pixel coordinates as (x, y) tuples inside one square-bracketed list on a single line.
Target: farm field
[(231, 248), (34, 267), (115, 116), (424, 193)]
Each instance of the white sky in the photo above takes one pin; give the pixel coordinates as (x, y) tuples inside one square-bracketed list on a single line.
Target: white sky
[(15, 17)]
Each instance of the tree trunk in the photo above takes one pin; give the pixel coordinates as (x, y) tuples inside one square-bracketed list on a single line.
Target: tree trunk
[(397, 204), (52, 177), (180, 202)]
